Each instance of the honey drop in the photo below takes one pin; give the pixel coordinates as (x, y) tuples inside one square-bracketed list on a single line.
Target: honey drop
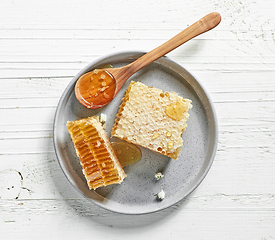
[(176, 110)]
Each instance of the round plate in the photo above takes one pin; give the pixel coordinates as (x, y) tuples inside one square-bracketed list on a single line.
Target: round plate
[(136, 194)]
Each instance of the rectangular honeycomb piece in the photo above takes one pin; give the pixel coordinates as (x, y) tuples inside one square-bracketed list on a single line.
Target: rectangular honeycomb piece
[(99, 162), (153, 119)]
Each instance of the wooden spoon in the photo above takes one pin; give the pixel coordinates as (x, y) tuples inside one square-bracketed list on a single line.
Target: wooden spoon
[(97, 88)]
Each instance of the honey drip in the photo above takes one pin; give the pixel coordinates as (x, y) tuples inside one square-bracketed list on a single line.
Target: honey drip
[(176, 110), (126, 153), (95, 88)]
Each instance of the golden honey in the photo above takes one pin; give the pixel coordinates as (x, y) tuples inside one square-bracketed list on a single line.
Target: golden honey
[(99, 162), (126, 153), (95, 88), (176, 110)]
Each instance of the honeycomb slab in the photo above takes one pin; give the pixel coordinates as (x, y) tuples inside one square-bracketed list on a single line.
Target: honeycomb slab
[(99, 162), (153, 119)]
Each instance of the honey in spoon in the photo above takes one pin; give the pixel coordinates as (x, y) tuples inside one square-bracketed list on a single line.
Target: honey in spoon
[(95, 89)]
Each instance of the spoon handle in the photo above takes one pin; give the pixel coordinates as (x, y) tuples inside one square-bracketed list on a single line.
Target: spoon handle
[(203, 25)]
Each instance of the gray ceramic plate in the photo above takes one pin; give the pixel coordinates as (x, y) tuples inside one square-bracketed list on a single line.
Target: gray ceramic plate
[(136, 194)]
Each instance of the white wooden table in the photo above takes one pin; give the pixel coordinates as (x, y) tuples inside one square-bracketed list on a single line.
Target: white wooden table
[(43, 44)]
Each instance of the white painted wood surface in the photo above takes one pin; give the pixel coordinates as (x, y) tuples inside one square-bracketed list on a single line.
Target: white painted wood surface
[(43, 44)]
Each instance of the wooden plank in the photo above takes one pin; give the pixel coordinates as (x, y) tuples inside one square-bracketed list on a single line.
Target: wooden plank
[(43, 44), (237, 224)]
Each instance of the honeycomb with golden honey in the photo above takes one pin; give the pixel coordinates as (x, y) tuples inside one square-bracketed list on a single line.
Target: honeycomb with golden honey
[(99, 162), (153, 119)]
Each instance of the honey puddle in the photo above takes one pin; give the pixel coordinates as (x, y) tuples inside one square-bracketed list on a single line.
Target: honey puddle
[(126, 153)]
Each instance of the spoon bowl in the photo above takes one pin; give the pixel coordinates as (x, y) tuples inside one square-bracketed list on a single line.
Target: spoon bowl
[(97, 88)]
